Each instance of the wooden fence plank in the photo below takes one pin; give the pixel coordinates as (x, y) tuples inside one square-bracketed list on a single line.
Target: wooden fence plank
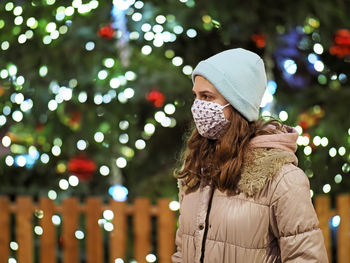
[(5, 228), (142, 229), (25, 229), (118, 235), (166, 231), (343, 207), (48, 238), (322, 207), (70, 225), (94, 242)]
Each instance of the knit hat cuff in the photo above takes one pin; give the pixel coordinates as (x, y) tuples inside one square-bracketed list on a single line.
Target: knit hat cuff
[(220, 82)]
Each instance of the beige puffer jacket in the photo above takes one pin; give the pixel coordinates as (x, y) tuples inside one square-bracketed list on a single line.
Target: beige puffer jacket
[(271, 219)]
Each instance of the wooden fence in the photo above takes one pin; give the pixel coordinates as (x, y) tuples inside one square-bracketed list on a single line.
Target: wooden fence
[(142, 212), (322, 205)]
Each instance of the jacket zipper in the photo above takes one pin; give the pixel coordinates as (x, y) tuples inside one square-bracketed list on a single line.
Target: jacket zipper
[(206, 226)]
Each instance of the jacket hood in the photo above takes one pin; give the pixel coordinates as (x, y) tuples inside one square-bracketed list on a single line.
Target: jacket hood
[(286, 141), (265, 157)]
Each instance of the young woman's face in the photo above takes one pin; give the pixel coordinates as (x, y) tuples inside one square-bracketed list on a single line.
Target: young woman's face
[(204, 90)]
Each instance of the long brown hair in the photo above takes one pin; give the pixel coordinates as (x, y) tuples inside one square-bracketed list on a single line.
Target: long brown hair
[(220, 161)]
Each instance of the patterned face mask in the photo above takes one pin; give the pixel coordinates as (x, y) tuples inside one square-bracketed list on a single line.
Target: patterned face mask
[(209, 118)]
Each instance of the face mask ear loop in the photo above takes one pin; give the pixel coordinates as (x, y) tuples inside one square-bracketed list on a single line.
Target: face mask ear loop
[(224, 107)]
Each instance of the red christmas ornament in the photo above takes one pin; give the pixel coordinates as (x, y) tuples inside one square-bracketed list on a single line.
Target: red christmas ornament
[(310, 118), (82, 166), (304, 125), (259, 40), (341, 47), (40, 127), (75, 119), (106, 32), (156, 98)]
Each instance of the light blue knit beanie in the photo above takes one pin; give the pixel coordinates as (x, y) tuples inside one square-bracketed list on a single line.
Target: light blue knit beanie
[(239, 76)]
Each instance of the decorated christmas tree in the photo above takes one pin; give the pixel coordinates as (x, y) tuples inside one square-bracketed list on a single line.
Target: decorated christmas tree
[(95, 95)]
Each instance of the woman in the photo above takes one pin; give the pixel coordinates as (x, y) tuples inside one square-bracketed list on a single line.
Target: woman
[(243, 198)]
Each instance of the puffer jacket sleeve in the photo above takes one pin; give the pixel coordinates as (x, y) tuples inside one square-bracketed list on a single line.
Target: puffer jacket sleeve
[(294, 220), (177, 256)]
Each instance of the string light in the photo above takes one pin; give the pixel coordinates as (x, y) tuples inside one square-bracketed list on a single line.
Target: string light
[(56, 150), (73, 180), (79, 234), (158, 40), (136, 16), (140, 144), (139, 4), (149, 36), (38, 230), (290, 66), (311, 193), (342, 151), (56, 220), (319, 66), (44, 158), (307, 150), (114, 83), (283, 115), (18, 10), (6, 141), (326, 188), (191, 33), (63, 184), (9, 160), (157, 28), (187, 70), (52, 195), (149, 128), (90, 46), (99, 137), (130, 75), (151, 258), (338, 178), (14, 245), (124, 138), (118, 192), (146, 50), (324, 141), (177, 61), (318, 48), (104, 170), (174, 205), (98, 99), (121, 162), (169, 109), (9, 6), (108, 226)]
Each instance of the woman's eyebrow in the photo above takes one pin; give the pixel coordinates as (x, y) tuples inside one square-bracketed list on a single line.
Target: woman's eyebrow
[(206, 92), (203, 92)]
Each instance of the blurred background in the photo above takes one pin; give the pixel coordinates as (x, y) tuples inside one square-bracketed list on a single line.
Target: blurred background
[(95, 96)]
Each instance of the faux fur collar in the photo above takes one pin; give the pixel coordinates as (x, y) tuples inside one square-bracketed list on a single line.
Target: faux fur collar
[(260, 165)]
